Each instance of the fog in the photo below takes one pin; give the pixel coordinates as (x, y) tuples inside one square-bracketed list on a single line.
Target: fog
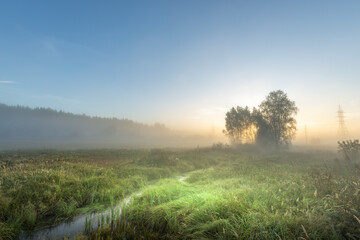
[(22, 127), (179, 120)]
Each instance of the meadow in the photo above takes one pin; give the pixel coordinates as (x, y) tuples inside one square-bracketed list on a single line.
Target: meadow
[(204, 193)]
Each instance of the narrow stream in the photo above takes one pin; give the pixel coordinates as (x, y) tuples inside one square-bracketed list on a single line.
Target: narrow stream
[(80, 224)]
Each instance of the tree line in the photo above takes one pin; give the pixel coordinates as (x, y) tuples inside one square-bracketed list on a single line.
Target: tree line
[(272, 124), (24, 127)]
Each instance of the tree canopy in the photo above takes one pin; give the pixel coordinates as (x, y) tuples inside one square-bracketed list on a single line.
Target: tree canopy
[(239, 124), (273, 123)]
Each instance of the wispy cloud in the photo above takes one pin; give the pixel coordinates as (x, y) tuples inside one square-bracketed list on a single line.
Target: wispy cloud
[(50, 48), (212, 110), (54, 47), (7, 82), (206, 112), (57, 98)]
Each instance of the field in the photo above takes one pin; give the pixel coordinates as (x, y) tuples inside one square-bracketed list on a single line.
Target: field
[(206, 193)]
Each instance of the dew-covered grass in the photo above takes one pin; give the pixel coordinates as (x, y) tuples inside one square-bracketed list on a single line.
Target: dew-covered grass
[(225, 194), (253, 195)]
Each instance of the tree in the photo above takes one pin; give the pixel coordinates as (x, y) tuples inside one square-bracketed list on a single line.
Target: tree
[(262, 128), (238, 124), (273, 123), (277, 112)]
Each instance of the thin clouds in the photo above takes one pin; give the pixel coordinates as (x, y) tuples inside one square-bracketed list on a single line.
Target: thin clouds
[(50, 48), (57, 98), (7, 82), (54, 47), (212, 110), (31, 97)]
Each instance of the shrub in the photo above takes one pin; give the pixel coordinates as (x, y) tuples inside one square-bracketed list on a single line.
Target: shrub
[(350, 149)]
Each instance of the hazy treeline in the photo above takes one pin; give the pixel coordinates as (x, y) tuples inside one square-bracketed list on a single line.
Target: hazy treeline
[(23, 127)]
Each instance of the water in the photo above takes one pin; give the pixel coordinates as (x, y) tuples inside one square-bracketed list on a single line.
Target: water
[(80, 224)]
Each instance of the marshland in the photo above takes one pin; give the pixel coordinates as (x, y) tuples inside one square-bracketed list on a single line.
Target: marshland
[(227, 193), (179, 119)]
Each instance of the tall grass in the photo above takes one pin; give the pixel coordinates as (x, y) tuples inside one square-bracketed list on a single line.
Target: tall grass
[(38, 188), (253, 195), (228, 194), (41, 188)]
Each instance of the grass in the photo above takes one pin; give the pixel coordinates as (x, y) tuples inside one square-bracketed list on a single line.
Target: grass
[(41, 188), (252, 196), (228, 194)]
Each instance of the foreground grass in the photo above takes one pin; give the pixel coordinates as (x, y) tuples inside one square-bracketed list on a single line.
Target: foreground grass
[(250, 196), (41, 188), (228, 194)]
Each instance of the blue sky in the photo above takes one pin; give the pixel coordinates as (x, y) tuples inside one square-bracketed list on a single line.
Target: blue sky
[(182, 63)]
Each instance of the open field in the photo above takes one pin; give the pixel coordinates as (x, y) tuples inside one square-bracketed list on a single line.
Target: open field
[(223, 194)]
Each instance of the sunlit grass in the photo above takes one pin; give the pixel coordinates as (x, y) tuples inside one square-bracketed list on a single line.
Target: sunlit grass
[(249, 201), (40, 188), (189, 194)]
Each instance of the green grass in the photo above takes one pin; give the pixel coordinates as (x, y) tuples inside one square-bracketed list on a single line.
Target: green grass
[(252, 196), (40, 188), (228, 194)]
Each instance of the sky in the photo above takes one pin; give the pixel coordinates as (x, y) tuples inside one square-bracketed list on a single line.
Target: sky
[(183, 63)]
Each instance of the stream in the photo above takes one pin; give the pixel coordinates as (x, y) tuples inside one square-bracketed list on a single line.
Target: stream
[(79, 224), (82, 223)]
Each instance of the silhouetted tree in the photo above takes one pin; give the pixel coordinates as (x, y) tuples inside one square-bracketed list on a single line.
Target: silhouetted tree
[(237, 123), (263, 134), (278, 114), (272, 124)]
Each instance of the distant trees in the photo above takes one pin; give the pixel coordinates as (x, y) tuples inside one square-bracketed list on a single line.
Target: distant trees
[(44, 127), (273, 123)]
